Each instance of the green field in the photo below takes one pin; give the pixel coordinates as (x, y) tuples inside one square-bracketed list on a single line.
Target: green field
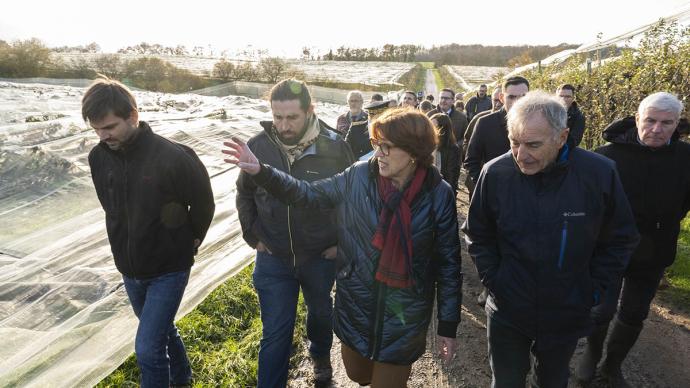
[(678, 275), (222, 338)]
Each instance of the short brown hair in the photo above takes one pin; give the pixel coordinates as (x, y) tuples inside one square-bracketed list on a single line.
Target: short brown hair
[(291, 89), (107, 96), (516, 80), (566, 87), (408, 129), (451, 91), (426, 105)]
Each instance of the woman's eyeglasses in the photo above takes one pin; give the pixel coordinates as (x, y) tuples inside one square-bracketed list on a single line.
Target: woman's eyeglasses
[(380, 145)]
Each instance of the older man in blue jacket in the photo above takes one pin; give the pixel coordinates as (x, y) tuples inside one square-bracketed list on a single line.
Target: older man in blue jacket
[(549, 228)]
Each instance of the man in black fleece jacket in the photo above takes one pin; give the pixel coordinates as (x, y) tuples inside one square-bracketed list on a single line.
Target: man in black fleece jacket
[(653, 166), (158, 206)]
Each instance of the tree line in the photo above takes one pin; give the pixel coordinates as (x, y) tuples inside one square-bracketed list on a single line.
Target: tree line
[(451, 54), (31, 58)]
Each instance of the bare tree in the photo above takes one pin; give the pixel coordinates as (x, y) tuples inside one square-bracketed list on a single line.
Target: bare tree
[(108, 64), (272, 68), (224, 70)]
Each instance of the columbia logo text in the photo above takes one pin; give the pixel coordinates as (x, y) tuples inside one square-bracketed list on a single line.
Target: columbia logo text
[(574, 214)]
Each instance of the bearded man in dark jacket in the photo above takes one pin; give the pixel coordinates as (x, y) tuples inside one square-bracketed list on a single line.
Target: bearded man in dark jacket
[(295, 247), (549, 229), (653, 166), (478, 103)]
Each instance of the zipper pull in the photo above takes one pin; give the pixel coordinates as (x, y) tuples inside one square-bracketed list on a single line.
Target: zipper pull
[(564, 237)]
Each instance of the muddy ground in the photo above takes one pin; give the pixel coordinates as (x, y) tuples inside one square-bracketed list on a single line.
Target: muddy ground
[(661, 357)]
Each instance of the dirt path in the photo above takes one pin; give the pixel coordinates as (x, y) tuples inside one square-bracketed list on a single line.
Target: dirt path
[(661, 357), (430, 86)]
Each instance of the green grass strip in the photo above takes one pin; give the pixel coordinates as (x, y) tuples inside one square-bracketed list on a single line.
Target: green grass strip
[(222, 337), (440, 84), (678, 274)]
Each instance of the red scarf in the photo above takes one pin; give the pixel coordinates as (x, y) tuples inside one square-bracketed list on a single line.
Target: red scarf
[(393, 235)]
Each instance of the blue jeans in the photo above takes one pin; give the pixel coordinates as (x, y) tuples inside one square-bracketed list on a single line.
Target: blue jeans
[(638, 289), (161, 355), (278, 284), (509, 356)]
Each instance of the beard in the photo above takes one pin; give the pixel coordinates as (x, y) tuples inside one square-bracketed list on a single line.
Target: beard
[(292, 138)]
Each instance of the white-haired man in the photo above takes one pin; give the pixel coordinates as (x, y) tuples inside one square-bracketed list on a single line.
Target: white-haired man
[(548, 247), (355, 101), (653, 166)]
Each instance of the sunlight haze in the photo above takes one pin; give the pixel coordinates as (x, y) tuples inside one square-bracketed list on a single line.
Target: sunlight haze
[(284, 27)]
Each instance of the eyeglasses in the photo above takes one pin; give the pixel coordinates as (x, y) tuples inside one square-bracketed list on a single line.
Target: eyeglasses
[(446, 98), (385, 148)]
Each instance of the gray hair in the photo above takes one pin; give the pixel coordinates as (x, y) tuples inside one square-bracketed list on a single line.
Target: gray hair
[(355, 93), (663, 101), (497, 89), (538, 102)]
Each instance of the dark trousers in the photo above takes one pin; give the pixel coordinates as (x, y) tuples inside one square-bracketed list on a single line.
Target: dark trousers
[(510, 355), (638, 289)]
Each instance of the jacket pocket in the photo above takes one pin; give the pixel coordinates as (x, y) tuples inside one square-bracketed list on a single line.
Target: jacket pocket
[(343, 265)]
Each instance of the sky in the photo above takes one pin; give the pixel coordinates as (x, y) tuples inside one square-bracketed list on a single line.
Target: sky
[(283, 27)]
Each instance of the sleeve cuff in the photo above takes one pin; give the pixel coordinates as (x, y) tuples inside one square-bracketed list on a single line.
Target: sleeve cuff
[(447, 329), (262, 176)]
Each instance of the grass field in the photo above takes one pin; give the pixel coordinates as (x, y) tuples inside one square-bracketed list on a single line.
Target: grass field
[(222, 338), (678, 275)]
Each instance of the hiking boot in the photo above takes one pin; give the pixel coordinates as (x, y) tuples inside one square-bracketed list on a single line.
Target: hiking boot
[(622, 339), (323, 372), (587, 367), (481, 299)]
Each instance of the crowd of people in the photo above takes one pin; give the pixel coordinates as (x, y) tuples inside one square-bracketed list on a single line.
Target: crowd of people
[(558, 234)]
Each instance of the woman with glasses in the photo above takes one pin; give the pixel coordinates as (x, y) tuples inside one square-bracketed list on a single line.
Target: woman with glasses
[(398, 246), (447, 154)]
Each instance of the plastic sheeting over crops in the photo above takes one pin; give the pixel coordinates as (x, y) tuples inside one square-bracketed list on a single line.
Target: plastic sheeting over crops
[(370, 73), (470, 77), (64, 316)]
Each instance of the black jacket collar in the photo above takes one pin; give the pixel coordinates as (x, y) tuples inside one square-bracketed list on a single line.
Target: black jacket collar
[(624, 131)]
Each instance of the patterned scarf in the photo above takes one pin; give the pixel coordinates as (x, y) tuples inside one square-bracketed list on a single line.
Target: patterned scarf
[(310, 136), (393, 235)]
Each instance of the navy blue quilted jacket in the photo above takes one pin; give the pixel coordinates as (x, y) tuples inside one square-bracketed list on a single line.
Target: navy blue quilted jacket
[(381, 323)]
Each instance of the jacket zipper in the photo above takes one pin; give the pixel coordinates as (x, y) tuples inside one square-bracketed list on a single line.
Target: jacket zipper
[(292, 249), (129, 255), (564, 239), (289, 171)]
